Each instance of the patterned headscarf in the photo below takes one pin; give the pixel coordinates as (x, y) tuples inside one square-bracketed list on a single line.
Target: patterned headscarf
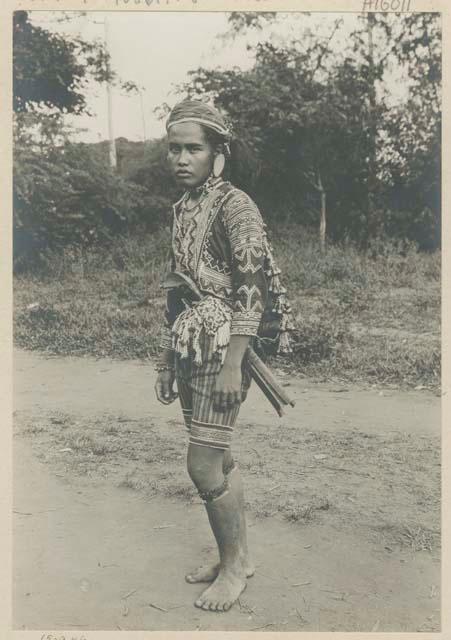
[(201, 113)]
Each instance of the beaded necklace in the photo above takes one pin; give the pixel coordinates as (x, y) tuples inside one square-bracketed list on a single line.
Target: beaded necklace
[(187, 214)]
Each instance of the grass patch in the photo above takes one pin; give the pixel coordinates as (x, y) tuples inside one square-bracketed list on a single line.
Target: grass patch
[(419, 538), (34, 429), (358, 317), (294, 512), (88, 445), (134, 482), (410, 536)]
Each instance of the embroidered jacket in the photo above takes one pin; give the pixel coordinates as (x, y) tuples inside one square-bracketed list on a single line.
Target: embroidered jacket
[(223, 248)]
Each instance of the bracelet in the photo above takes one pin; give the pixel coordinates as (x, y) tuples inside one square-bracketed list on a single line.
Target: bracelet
[(164, 367)]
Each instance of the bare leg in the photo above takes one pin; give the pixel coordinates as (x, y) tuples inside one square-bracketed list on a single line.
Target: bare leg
[(236, 488), (208, 572), (205, 468)]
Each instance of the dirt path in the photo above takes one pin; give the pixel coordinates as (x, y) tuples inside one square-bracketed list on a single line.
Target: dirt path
[(88, 385), (91, 555)]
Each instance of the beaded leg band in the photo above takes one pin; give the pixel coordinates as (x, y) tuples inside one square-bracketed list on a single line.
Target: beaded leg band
[(229, 467), (215, 494)]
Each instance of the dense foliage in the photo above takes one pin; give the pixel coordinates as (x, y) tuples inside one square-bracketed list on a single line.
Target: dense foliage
[(321, 125), (357, 318), (316, 121), (71, 190), (299, 127), (64, 193), (51, 70)]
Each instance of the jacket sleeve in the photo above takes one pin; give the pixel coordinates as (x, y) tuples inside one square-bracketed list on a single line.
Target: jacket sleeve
[(245, 231), (174, 306), (165, 333)]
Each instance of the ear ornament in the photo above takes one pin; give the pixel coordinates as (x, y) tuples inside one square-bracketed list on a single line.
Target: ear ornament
[(218, 165)]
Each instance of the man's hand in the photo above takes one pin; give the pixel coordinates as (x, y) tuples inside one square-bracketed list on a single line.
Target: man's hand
[(164, 387), (227, 391)]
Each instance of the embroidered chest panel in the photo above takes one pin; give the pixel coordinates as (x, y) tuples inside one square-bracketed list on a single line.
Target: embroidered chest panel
[(194, 251)]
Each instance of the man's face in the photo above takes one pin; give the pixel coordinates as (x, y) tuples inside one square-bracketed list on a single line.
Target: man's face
[(190, 154)]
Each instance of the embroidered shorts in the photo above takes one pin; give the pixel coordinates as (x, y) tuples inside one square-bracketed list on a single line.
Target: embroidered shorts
[(207, 427)]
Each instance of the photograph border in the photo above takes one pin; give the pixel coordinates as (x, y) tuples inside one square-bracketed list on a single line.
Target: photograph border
[(6, 300)]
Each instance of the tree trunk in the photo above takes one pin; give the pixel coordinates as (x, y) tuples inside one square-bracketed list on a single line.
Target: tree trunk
[(112, 142), (372, 221), (322, 223)]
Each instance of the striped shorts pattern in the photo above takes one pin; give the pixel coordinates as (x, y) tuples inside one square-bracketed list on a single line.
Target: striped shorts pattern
[(206, 426)]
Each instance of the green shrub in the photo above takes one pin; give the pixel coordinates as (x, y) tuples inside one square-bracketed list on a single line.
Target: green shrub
[(357, 317)]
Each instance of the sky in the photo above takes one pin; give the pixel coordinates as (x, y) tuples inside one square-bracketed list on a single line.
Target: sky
[(156, 50), (153, 49)]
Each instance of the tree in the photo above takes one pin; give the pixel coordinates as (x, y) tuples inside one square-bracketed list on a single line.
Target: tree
[(327, 130), (145, 165), (52, 71), (63, 192), (240, 22), (374, 223), (69, 195), (304, 122), (404, 138), (414, 158)]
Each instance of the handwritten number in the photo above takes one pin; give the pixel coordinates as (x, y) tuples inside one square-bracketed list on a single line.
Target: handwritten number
[(147, 2), (49, 636)]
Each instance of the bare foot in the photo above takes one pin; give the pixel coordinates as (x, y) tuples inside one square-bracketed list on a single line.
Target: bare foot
[(203, 574), (222, 594), (208, 573)]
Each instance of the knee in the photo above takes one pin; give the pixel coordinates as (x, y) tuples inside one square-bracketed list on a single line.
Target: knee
[(228, 463), (205, 467)]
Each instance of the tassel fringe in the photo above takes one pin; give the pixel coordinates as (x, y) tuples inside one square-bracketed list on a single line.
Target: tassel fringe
[(210, 317), (281, 306)]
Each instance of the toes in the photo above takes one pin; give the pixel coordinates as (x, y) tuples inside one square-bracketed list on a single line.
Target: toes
[(199, 603), (202, 574), (205, 606), (227, 606), (214, 606)]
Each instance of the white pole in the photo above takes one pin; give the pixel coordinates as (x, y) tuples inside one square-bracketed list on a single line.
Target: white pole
[(143, 115), (112, 142)]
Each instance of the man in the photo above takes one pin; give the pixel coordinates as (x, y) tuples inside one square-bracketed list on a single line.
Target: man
[(219, 247)]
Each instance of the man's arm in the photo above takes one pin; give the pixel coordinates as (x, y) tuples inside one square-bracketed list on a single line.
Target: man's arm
[(166, 363), (165, 367), (244, 227)]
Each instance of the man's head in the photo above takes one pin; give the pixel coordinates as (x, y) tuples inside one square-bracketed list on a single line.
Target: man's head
[(197, 133), (190, 154)]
